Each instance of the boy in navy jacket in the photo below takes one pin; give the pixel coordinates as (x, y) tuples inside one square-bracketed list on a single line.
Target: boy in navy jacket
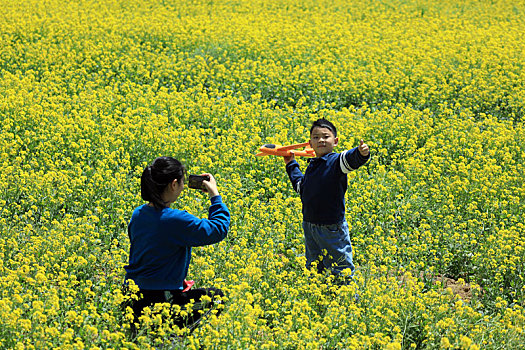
[(322, 189)]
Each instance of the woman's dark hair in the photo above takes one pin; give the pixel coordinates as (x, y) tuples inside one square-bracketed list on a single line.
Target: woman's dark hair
[(323, 123), (156, 177)]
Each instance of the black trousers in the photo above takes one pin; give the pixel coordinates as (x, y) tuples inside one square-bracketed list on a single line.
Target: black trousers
[(147, 298)]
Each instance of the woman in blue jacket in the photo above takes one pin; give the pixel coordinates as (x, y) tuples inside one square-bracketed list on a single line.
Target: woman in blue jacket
[(161, 240)]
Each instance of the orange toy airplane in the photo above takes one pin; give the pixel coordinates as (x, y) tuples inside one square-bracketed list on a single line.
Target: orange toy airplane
[(277, 150)]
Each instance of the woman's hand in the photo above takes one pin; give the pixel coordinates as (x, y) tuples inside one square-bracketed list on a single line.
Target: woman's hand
[(211, 185)]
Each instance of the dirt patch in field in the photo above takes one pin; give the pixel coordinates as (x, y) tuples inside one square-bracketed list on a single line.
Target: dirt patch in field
[(458, 287), (462, 289)]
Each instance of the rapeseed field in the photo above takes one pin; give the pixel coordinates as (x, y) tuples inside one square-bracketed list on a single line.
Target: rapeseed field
[(93, 90)]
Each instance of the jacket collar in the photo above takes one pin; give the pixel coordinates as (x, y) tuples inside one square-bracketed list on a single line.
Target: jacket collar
[(325, 157)]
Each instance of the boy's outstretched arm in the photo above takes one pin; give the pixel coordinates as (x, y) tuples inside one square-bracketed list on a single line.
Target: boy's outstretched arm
[(355, 157), (363, 149)]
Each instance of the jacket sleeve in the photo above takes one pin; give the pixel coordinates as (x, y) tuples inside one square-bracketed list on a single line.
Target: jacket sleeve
[(351, 160), (199, 232), (295, 175)]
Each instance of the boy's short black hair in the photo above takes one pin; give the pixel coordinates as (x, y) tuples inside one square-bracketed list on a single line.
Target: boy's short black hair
[(323, 123)]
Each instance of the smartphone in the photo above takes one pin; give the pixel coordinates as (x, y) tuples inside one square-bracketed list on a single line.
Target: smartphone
[(195, 181)]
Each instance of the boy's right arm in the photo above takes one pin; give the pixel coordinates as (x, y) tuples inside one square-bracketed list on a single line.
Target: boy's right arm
[(294, 173), (288, 159)]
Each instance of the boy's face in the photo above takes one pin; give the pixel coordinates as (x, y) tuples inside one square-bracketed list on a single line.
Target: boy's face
[(322, 140)]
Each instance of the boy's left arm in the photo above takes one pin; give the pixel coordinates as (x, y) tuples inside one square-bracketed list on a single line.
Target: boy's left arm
[(363, 149), (355, 157)]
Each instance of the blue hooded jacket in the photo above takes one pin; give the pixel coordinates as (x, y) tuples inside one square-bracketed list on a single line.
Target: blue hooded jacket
[(161, 242)]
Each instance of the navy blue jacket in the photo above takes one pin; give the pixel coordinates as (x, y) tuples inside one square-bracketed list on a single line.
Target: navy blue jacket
[(324, 184), (161, 242)]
